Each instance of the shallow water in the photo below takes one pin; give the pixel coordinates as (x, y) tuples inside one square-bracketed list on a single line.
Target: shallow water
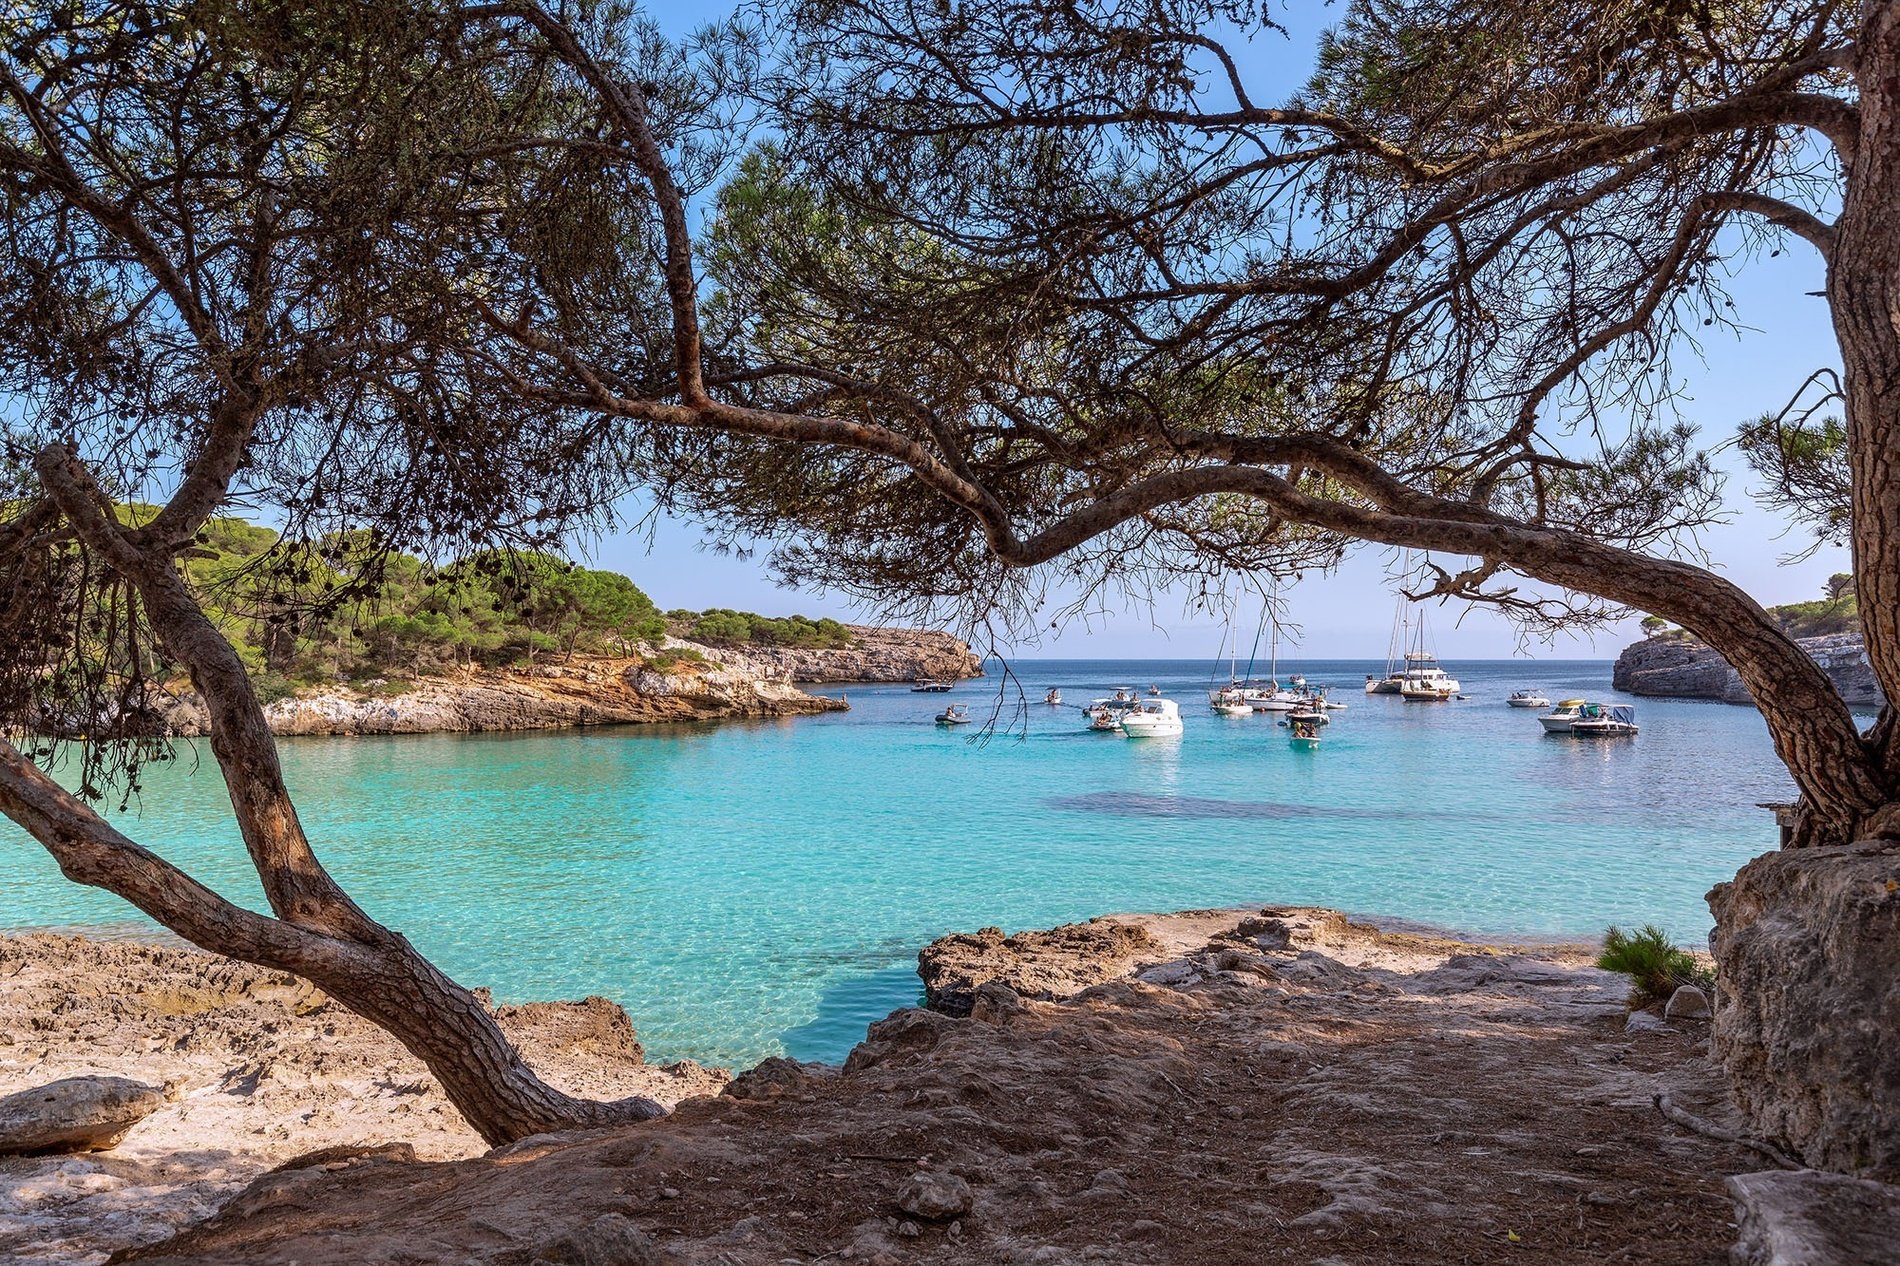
[(750, 889)]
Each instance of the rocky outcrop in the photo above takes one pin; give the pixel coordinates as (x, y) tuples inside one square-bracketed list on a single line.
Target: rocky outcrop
[(1807, 1020), (1678, 666), (680, 681), (874, 655), (1813, 1219), (75, 1114), (1042, 965), (262, 1071), (1351, 1096)]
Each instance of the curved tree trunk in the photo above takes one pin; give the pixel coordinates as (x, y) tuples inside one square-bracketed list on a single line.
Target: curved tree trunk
[(319, 932)]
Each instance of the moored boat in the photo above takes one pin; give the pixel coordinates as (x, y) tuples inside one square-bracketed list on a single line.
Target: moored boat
[(1105, 715), (1528, 699), (1152, 718), (922, 687), (1559, 719), (1614, 721)]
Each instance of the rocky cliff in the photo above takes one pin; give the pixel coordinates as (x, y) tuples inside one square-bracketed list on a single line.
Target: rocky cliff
[(669, 686), (1684, 667), (874, 655)]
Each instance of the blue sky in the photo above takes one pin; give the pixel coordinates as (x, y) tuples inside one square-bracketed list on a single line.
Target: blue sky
[(1349, 613)]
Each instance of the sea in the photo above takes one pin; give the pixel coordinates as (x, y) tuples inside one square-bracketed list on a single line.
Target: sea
[(748, 889)]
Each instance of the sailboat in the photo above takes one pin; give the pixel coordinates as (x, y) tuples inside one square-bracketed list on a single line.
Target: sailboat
[(1423, 679), (1273, 697), (1394, 651), (1230, 700)]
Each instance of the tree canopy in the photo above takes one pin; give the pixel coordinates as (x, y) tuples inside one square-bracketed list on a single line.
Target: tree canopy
[(994, 292)]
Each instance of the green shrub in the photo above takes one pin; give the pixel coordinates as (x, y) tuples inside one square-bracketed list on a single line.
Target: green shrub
[(1655, 967)]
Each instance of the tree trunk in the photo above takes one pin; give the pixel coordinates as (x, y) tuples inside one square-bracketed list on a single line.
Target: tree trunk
[(1863, 287), (319, 932)]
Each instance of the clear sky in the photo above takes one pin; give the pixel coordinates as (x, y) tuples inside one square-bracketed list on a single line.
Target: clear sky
[(1349, 613)]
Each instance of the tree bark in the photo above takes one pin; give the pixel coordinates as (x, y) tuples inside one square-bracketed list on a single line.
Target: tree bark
[(1863, 288)]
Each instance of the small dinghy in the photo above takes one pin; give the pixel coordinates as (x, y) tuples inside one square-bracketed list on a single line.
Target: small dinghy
[(955, 714), (1304, 736), (1053, 698)]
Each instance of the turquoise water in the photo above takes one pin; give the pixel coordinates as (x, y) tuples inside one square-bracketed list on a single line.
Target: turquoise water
[(749, 889)]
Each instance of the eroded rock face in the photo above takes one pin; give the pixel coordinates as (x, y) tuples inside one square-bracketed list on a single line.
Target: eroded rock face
[(874, 655), (1813, 1219), (584, 691), (1044, 965), (1687, 668), (75, 1114), (1808, 1019)]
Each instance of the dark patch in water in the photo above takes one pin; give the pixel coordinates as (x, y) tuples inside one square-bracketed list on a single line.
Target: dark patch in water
[(1136, 805)]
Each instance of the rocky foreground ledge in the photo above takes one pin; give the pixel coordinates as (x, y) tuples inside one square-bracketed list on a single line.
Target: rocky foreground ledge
[(1215, 1086), (1678, 666)]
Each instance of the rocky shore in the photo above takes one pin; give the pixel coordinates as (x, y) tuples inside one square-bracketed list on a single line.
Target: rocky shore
[(875, 655), (1679, 666), (678, 681), (1271, 1084)]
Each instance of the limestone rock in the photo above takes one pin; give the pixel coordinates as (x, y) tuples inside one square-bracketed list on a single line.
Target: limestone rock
[(875, 654), (1687, 1003), (908, 1030), (1045, 966), (1644, 1022), (700, 683), (1808, 1218), (609, 1240), (75, 1114), (935, 1195), (1688, 668), (1807, 1024)]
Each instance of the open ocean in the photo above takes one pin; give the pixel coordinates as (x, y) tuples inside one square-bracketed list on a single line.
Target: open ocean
[(747, 889)]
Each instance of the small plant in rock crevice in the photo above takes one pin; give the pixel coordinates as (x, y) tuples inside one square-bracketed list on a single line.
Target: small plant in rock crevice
[(1656, 967)]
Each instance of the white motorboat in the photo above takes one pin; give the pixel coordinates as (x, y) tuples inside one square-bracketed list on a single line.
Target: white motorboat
[(930, 687), (1304, 736), (1559, 719), (1599, 721), (1105, 715), (1308, 715), (1528, 699), (1152, 718), (1053, 698), (1154, 692), (955, 714)]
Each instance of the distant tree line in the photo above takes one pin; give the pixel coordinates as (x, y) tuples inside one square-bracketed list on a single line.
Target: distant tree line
[(1838, 612), (307, 615)]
